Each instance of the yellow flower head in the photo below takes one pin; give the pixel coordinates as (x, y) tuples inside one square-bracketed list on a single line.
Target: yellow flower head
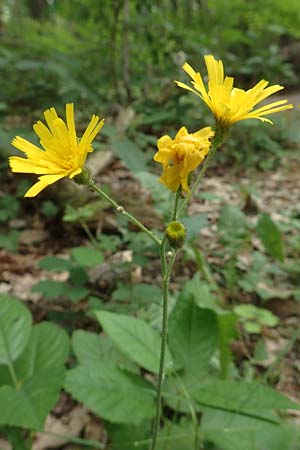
[(63, 154), (230, 104), (180, 156)]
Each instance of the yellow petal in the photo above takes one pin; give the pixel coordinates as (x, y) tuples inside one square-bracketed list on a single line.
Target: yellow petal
[(43, 182)]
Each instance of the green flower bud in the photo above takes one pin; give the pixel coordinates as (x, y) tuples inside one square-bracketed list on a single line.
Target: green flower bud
[(83, 178), (175, 233)]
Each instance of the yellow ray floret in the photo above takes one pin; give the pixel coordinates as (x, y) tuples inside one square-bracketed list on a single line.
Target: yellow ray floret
[(182, 155), (62, 155), (230, 104)]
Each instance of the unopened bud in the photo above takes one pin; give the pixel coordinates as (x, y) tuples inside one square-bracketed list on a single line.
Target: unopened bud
[(175, 233)]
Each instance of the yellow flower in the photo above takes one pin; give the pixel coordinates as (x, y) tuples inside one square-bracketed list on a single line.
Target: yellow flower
[(63, 154), (230, 104), (180, 156)]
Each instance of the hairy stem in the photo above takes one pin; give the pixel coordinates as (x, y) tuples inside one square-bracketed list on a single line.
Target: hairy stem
[(166, 272), (119, 209)]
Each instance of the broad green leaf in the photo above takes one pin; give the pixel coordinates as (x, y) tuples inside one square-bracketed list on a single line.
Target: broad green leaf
[(111, 393), (230, 431), (193, 334), (48, 347), (201, 292), (227, 324), (135, 338), (28, 405), (15, 327), (50, 288), (131, 154), (251, 399), (89, 348), (270, 235), (55, 264), (176, 436), (87, 257), (126, 437), (179, 390), (194, 224), (232, 220)]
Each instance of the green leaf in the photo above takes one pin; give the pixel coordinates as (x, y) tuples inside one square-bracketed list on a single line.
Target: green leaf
[(50, 288), (231, 431), (87, 257), (194, 224), (52, 263), (111, 393), (28, 405), (125, 437), (89, 348), (250, 399), (193, 334), (227, 323), (15, 327), (135, 338), (176, 436), (179, 390), (10, 240), (270, 235), (201, 292), (48, 347), (232, 220), (131, 154)]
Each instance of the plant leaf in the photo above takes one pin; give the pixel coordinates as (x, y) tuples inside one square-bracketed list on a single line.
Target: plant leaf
[(111, 393), (48, 346), (15, 327), (270, 235), (193, 334), (28, 406), (131, 154), (251, 399), (135, 338)]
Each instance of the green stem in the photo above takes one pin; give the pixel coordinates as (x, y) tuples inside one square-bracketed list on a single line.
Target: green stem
[(122, 211), (166, 272), (175, 209), (94, 241), (216, 143)]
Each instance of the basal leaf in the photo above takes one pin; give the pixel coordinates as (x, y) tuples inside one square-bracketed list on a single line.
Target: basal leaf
[(90, 348), (135, 338), (251, 399), (15, 327), (193, 334), (270, 236), (111, 393), (48, 347), (28, 405)]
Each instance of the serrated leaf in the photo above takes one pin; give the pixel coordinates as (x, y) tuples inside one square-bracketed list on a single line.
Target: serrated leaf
[(251, 399), (15, 327), (111, 393), (89, 348), (135, 338), (193, 334), (48, 346), (231, 431), (270, 235), (28, 405), (87, 257)]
